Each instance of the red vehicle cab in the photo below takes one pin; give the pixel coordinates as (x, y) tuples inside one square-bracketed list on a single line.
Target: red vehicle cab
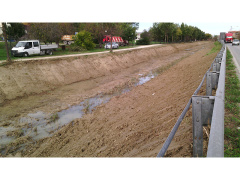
[(228, 38)]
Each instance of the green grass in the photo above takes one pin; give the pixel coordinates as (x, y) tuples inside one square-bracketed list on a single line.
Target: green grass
[(58, 52), (3, 53), (216, 48), (232, 117)]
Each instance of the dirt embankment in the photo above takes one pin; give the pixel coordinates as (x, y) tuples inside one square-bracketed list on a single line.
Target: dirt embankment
[(135, 123), (36, 76), (138, 122)]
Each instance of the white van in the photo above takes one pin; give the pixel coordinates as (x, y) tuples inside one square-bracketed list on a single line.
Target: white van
[(32, 47)]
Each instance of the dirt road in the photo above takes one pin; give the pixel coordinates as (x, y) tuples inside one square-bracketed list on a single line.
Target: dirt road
[(135, 119)]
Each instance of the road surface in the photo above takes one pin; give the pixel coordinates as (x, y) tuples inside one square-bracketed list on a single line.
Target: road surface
[(235, 51)]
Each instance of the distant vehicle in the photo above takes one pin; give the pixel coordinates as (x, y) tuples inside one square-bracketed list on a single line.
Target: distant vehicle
[(235, 42), (114, 45), (32, 47), (117, 39), (222, 36), (228, 37), (67, 39)]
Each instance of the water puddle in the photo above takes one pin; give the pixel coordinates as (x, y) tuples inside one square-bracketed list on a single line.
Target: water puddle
[(40, 124), (145, 79)]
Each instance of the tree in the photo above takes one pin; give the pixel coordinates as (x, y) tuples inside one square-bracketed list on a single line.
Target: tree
[(129, 31), (4, 27), (156, 32), (83, 40), (183, 29), (15, 31), (178, 33), (145, 38), (68, 28), (172, 30), (208, 36), (46, 32)]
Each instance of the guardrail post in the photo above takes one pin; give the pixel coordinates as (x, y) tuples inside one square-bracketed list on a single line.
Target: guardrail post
[(212, 82), (202, 109), (216, 66), (209, 84), (197, 126), (207, 109), (218, 60)]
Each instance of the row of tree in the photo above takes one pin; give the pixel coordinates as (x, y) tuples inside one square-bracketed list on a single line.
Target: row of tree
[(52, 32), (172, 32)]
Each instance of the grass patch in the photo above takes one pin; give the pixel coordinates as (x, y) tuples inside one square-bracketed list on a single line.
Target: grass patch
[(232, 117), (216, 48), (58, 52)]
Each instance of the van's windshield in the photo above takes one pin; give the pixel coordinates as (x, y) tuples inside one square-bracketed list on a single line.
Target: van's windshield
[(21, 44)]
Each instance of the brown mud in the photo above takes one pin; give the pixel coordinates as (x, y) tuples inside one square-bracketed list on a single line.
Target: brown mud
[(133, 123)]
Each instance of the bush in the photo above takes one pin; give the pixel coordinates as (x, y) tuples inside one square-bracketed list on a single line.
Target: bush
[(83, 40), (144, 41), (145, 38)]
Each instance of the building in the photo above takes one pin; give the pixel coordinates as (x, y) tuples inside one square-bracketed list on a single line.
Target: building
[(1, 28), (138, 35), (236, 34)]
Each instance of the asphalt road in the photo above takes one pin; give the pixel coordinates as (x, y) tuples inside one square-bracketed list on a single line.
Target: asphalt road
[(235, 51)]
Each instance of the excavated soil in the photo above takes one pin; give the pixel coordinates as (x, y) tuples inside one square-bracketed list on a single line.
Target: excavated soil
[(134, 123)]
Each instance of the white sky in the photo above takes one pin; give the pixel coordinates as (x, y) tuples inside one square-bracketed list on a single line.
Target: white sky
[(213, 28), (211, 16)]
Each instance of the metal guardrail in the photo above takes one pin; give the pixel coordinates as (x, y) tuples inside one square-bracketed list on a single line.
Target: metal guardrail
[(206, 110), (216, 139)]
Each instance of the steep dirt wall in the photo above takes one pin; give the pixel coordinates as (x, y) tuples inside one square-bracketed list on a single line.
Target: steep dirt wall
[(35, 76)]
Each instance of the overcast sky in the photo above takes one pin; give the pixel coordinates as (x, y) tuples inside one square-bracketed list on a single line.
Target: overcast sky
[(211, 16), (213, 28)]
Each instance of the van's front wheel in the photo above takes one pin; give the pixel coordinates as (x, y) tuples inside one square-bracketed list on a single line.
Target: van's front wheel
[(25, 54)]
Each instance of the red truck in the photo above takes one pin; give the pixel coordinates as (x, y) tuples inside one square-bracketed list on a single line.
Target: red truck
[(119, 40), (228, 37)]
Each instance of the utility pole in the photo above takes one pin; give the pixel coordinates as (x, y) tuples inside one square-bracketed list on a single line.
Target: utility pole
[(4, 25), (111, 43)]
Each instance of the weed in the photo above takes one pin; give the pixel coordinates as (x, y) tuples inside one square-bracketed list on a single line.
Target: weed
[(216, 48), (35, 129), (53, 118), (16, 133), (232, 117), (87, 108)]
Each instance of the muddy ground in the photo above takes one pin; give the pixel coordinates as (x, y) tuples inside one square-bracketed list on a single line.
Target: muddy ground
[(143, 94)]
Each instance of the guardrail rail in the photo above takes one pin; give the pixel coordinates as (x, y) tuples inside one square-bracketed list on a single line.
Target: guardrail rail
[(206, 110)]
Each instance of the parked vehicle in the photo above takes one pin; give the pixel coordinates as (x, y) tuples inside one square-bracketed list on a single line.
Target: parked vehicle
[(235, 42), (222, 36), (117, 39), (67, 39), (228, 37), (114, 45), (32, 47)]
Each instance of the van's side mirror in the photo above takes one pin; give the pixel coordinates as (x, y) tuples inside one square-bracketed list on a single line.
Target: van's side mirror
[(26, 47)]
